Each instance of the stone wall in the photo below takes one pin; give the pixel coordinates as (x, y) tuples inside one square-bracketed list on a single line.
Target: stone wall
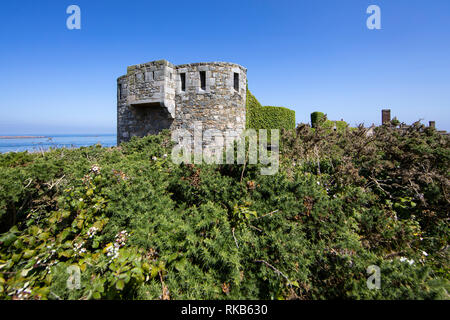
[(145, 100), (218, 105), (158, 95)]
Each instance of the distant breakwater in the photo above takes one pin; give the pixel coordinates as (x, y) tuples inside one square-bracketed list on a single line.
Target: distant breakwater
[(22, 137)]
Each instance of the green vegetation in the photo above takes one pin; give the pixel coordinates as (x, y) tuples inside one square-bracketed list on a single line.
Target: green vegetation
[(317, 118), (140, 227), (268, 117), (320, 119)]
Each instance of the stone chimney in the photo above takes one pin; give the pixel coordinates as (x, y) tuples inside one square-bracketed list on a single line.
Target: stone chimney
[(385, 116), (432, 124)]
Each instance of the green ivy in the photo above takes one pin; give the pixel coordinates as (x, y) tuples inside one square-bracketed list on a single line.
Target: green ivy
[(267, 117)]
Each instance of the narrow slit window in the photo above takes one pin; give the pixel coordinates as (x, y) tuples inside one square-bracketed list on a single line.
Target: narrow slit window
[(183, 81), (119, 93), (236, 81), (148, 76), (203, 80)]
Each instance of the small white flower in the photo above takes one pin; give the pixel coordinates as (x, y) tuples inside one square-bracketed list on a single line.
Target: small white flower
[(424, 253), (154, 158), (113, 252), (410, 262), (121, 238), (165, 155), (95, 169), (92, 231), (78, 248)]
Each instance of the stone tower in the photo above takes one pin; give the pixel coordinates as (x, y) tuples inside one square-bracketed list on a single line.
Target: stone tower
[(385, 116), (159, 95)]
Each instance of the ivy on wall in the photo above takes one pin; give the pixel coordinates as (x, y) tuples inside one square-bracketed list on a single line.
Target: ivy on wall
[(320, 119), (267, 117)]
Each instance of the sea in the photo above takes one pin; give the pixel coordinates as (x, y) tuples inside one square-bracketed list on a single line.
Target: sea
[(38, 143)]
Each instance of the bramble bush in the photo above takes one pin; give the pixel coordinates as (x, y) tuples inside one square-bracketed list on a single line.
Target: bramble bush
[(137, 226)]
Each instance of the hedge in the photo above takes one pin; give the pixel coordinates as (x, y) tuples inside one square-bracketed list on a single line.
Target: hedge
[(251, 102), (268, 117), (340, 125), (317, 117)]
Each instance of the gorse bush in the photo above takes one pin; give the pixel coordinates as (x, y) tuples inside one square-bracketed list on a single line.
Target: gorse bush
[(134, 225)]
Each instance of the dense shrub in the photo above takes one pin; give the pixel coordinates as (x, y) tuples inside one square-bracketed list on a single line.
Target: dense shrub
[(137, 226)]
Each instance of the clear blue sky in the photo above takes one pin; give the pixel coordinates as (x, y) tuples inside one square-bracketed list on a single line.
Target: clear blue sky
[(305, 55)]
